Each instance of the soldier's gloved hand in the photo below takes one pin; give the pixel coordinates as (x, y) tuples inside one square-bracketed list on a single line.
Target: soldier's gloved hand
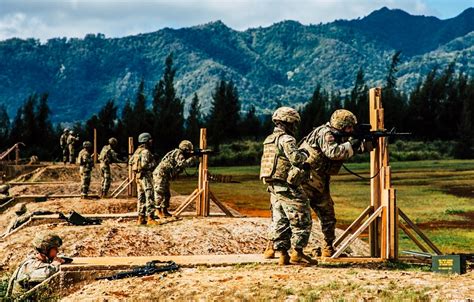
[(355, 143)]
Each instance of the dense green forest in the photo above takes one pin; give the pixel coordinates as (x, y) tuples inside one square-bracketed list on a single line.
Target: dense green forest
[(440, 109)]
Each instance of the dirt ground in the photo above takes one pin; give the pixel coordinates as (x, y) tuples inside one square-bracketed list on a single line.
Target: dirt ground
[(202, 236)]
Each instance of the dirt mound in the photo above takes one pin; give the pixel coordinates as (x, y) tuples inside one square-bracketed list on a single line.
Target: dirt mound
[(275, 283)]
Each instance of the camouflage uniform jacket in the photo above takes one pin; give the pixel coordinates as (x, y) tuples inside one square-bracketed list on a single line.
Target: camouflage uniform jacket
[(108, 155), (71, 139), (31, 272), (63, 140), (173, 163), (146, 162), (84, 159)]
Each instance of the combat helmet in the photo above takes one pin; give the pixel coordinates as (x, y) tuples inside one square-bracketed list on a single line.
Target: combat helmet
[(185, 145), (66, 130), (44, 242), (145, 137), (342, 118), (20, 209), (287, 115), (113, 141), (87, 144)]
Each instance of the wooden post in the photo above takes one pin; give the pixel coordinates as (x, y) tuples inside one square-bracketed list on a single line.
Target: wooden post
[(17, 154), (95, 146), (132, 186)]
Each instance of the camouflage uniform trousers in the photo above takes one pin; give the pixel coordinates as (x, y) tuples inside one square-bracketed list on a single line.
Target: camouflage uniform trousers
[(65, 154), (323, 205), (291, 217), (162, 191), (71, 153), (146, 203), (85, 180), (106, 177)]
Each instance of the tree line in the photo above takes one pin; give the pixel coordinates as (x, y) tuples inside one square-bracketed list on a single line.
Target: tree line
[(439, 108)]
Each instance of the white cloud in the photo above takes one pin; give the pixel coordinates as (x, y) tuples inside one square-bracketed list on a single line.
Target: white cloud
[(45, 19)]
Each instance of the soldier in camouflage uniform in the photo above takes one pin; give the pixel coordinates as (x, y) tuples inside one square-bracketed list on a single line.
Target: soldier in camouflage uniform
[(71, 140), (328, 151), (173, 163), (37, 267), (107, 156), (291, 217), (86, 163), (143, 163), (63, 144)]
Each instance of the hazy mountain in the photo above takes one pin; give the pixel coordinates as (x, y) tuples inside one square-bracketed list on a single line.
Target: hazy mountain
[(280, 63)]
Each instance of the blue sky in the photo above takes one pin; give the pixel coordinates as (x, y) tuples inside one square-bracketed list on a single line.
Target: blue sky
[(44, 19)]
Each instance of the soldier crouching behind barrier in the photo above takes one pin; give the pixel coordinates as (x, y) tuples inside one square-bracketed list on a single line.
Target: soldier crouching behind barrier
[(328, 150), (37, 267), (107, 156), (173, 163), (142, 164), (281, 169), (86, 163)]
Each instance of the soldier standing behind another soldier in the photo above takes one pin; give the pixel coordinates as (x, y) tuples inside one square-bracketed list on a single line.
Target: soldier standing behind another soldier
[(328, 151), (71, 140), (291, 216), (86, 164), (173, 163), (107, 156), (143, 163), (63, 144), (37, 267)]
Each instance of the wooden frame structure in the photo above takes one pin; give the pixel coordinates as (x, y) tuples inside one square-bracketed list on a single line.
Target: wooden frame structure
[(382, 216), (202, 195)]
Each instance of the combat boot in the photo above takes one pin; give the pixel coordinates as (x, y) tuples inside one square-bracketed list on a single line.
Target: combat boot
[(151, 220), (284, 258), (141, 220), (269, 251), (166, 213), (298, 257), (328, 251), (159, 212)]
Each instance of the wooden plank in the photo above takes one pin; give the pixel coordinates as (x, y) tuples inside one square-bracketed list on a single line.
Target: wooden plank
[(220, 204), (412, 237), (356, 223), (95, 146), (419, 232), (393, 226), (132, 187), (123, 188), (185, 204), (358, 232), (186, 201), (383, 226), (351, 260), (120, 186)]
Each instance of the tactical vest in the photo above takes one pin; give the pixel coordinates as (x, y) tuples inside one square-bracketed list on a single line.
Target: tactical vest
[(135, 159), (103, 155), (317, 160), (274, 164)]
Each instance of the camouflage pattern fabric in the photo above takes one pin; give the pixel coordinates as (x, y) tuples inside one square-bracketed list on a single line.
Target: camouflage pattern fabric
[(71, 140), (64, 147), (330, 153), (31, 272), (172, 164), (145, 202), (107, 156), (291, 217), (86, 164)]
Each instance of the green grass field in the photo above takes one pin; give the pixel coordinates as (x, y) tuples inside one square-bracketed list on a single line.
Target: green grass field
[(437, 195)]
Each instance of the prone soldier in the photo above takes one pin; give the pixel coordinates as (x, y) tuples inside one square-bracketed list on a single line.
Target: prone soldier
[(173, 163), (86, 163), (291, 216), (38, 266), (142, 164)]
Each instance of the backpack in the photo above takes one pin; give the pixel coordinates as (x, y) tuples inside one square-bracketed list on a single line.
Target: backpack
[(103, 154), (135, 160)]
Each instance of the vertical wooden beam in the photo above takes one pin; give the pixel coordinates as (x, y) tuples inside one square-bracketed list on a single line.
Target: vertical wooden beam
[(132, 187), (205, 194), (17, 154), (393, 225), (95, 146)]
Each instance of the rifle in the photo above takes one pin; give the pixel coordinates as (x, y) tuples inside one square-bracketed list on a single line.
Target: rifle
[(200, 152), (364, 132), (149, 268), (77, 219)]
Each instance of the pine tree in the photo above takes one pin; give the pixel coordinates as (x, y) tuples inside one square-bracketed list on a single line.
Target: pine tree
[(251, 127), (393, 101), (194, 122), (359, 99), (4, 127), (315, 112)]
